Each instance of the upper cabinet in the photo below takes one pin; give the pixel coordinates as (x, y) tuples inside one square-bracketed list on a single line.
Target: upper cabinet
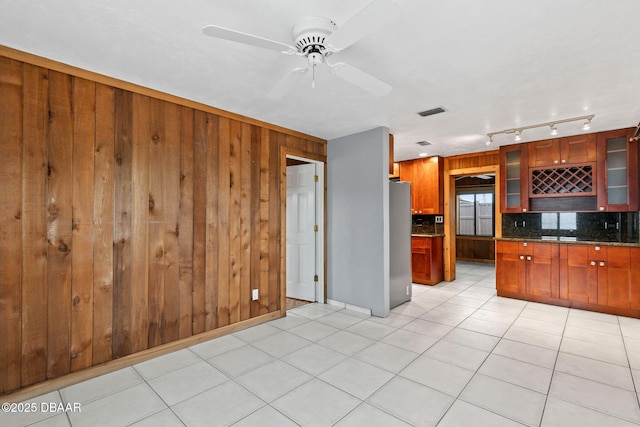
[(618, 171), (562, 151), (426, 178), (592, 172), (513, 179)]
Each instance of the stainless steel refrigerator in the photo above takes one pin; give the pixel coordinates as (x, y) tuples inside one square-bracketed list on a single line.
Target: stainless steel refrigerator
[(399, 243)]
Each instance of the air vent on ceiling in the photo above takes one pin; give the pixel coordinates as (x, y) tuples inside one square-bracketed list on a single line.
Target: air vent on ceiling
[(423, 143), (431, 112)]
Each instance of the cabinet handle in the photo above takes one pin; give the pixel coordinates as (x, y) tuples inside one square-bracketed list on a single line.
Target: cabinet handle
[(524, 210), (593, 263), (597, 248), (601, 263), (564, 161), (555, 162), (524, 244), (601, 208), (528, 258), (521, 256), (524, 224)]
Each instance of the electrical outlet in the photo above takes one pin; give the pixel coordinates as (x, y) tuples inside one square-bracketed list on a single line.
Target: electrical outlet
[(254, 294), (439, 219)]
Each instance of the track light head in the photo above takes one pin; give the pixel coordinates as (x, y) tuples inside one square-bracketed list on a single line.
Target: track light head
[(490, 140), (518, 132), (587, 125), (554, 129)]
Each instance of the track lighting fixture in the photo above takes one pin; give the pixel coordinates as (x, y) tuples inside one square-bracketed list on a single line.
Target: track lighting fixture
[(552, 125)]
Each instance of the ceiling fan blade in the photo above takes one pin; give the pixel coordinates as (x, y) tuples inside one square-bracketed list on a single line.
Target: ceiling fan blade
[(374, 16), (248, 39), (361, 79), (287, 83)]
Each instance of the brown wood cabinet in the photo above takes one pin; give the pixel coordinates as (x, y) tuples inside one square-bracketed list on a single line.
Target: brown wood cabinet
[(514, 184), (527, 268), (427, 190), (590, 277), (426, 260), (562, 151), (596, 172), (617, 171)]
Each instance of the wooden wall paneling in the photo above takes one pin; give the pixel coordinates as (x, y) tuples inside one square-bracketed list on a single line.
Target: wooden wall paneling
[(275, 299), (211, 245), (59, 218), (235, 222), (156, 208), (245, 222), (104, 180), (139, 307), (255, 204), (123, 222), (265, 243), (10, 223), (224, 231), (199, 220), (84, 131), (170, 325), (34, 225), (185, 235)]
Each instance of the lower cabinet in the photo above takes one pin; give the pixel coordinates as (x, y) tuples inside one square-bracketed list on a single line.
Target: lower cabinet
[(426, 260), (590, 277)]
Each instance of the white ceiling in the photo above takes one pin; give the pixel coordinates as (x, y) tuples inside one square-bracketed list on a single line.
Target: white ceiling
[(492, 64)]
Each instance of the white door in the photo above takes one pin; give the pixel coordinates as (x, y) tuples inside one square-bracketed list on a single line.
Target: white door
[(301, 243)]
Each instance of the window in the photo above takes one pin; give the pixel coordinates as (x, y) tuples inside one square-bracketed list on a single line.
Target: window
[(475, 213)]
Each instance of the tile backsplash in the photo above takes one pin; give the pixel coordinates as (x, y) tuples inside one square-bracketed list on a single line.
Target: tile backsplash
[(426, 224), (582, 226)]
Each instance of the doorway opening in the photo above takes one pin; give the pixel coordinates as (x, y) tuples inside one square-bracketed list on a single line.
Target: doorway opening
[(475, 218), (304, 231)]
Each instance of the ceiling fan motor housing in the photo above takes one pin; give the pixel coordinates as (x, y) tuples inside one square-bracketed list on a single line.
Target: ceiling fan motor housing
[(309, 35)]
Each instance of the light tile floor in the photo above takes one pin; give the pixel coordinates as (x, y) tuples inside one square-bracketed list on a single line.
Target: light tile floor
[(456, 355)]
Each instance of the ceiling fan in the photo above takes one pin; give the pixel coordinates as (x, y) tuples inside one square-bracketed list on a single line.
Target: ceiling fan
[(317, 38)]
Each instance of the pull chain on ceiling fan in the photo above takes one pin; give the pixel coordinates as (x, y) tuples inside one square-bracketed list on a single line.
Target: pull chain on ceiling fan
[(317, 38)]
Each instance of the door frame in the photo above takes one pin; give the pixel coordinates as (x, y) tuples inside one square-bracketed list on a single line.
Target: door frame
[(321, 215), (450, 212)]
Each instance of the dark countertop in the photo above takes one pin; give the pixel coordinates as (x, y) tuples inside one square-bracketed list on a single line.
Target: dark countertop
[(571, 240), (427, 235)]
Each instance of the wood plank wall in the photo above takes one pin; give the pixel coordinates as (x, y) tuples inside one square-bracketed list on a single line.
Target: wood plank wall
[(127, 221)]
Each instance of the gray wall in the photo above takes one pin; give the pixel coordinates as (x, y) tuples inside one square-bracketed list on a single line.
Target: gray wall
[(358, 220)]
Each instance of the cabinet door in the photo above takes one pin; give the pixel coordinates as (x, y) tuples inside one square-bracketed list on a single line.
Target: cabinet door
[(514, 191), (429, 188), (635, 278), (617, 171), (408, 174), (542, 270), (510, 268), (614, 278), (420, 259), (544, 153), (578, 149), (580, 276)]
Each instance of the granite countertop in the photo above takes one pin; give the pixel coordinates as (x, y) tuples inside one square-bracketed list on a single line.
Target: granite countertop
[(571, 240), (427, 234)]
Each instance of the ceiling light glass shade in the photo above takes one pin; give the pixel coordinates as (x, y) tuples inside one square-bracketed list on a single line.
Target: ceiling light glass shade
[(554, 130)]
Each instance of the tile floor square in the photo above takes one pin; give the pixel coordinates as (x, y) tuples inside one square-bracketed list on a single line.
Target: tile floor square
[(329, 405), (356, 378)]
